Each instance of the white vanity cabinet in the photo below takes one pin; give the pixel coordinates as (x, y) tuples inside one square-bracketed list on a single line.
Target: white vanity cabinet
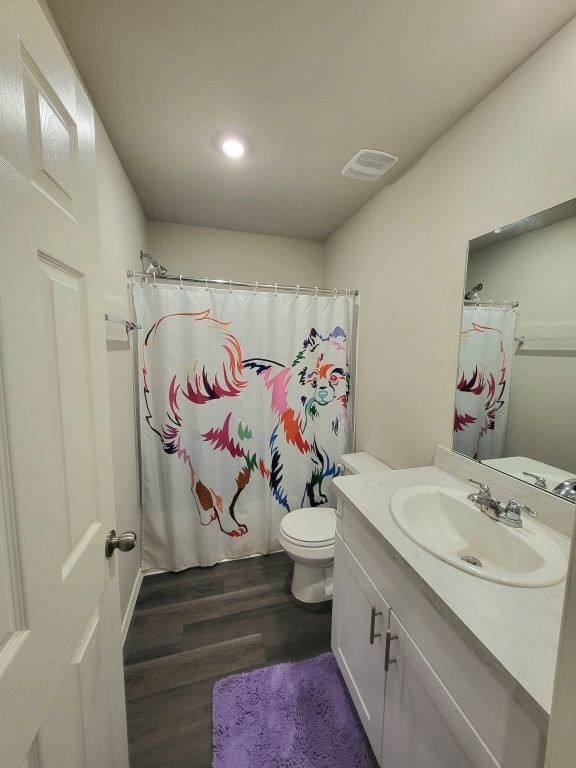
[(423, 726), (360, 618), (411, 714)]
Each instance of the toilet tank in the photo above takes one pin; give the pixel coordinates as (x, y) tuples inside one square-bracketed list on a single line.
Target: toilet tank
[(361, 463)]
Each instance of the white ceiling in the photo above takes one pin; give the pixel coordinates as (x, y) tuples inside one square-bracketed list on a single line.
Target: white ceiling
[(309, 82)]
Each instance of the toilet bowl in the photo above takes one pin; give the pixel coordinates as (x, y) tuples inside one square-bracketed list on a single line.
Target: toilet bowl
[(307, 536)]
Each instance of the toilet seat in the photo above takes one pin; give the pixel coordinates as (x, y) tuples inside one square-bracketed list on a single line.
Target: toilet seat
[(310, 527)]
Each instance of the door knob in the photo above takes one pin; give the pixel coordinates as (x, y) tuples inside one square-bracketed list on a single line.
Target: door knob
[(125, 542)]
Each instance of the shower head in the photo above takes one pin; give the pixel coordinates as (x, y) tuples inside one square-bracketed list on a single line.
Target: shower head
[(472, 294), (154, 265)]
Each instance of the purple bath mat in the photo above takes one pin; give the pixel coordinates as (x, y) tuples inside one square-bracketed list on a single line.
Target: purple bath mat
[(288, 716)]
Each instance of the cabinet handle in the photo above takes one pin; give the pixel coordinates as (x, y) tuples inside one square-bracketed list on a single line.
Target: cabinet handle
[(373, 634), (387, 659)]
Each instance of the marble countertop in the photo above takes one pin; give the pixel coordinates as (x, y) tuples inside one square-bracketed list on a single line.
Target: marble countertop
[(519, 627)]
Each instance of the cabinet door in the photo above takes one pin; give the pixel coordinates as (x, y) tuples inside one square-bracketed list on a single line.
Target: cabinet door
[(423, 726), (360, 614)]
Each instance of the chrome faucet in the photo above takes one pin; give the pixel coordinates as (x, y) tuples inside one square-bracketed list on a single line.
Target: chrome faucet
[(510, 515), (567, 489)]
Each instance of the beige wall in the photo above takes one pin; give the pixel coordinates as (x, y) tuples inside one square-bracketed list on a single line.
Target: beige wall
[(539, 270), (513, 155), (226, 254), (122, 235)]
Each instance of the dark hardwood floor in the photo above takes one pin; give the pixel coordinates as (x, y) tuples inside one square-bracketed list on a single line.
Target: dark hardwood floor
[(192, 628)]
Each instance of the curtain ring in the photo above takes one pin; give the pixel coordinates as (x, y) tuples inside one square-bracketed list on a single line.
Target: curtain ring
[(206, 282), (316, 292), (230, 285), (297, 291), (256, 284), (490, 303), (181, 286), (275, 290), (335, 292)]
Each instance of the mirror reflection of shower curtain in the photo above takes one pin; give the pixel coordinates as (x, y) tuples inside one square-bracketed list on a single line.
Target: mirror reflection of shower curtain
[(244, 415), (483, 386)]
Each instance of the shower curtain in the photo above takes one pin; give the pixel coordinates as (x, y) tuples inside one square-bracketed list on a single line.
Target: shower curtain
[(483, 384), (245, 411)]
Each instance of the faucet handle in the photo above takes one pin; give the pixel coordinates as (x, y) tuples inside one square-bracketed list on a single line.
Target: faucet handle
[(540, 481), (514, 509), (484, 488)]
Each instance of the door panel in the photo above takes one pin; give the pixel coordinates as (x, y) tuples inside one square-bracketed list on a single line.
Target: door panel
[(66, 340), (75, 732), (11, 601), (61, 681), (52, 138), (423, 725), (361, 663)]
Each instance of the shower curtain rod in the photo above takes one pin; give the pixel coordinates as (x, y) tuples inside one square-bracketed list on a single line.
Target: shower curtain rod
[(489, 303), (240, 284)]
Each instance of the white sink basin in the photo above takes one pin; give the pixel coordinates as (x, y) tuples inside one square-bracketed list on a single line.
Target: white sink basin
[(443, 522)]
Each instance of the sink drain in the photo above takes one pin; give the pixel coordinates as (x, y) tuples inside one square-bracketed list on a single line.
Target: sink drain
[(472, 560)]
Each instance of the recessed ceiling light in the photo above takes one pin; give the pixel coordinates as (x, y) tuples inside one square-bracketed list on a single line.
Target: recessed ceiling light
[(233, 147)]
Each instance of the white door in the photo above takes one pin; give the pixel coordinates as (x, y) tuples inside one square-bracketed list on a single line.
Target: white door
[(423, 725), (359, 624), (61, 684)]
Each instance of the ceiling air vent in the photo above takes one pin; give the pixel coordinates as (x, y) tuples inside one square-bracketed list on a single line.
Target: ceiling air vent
[(368, 165)]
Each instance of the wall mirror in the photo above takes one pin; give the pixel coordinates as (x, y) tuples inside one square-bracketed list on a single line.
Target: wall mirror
[(515, 405)]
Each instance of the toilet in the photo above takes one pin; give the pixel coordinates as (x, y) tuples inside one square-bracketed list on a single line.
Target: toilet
[(307, 536)]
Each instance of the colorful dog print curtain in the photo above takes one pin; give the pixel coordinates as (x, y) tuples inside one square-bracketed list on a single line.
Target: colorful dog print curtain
[(483, 385), (244, 415)]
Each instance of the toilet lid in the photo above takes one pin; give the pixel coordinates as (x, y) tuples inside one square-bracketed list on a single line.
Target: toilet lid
[(313, 525)]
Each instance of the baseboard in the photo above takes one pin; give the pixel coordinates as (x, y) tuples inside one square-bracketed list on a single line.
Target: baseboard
[(131, 604)]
